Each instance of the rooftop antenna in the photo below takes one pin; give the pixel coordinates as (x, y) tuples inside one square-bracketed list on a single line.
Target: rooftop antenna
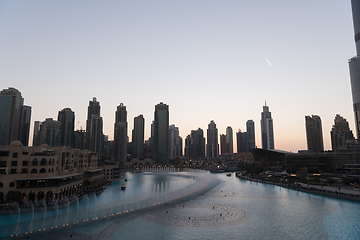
[(265, 103)]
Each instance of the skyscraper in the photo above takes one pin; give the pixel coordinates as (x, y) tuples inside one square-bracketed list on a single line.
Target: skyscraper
[(25, 125), (50, 132), (229, 140), (212, 146), (340, 133), (13, 125), (195, 144), (250, 135), (36, 135), (267, 130), (161, 133), (354, 65), (120, 135), (314, 134), (223, 144), (67, 119), (175, 142), (94, 128), (241, 140), (138, 137)]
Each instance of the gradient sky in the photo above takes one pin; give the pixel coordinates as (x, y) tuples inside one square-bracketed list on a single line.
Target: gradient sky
[(206, 59)]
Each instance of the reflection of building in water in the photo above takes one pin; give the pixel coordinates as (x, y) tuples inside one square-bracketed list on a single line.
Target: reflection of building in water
[(45, 172)]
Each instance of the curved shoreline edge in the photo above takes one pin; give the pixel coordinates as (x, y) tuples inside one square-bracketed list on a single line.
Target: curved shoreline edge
[(312, 190)]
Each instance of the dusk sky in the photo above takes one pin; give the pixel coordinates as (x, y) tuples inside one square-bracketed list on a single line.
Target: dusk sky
[(208, 60)]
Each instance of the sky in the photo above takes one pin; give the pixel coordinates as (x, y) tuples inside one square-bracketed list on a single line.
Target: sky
[(207, 59)]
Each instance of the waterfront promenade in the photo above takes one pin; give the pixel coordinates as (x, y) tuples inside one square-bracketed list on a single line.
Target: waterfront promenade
[(347, 193)]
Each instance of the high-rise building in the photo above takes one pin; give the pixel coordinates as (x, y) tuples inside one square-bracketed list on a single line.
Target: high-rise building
[(354, 65), (36, 134), (340, 133), (94, 128), (67, 119), (13, 125), (79, 139), (250, 135), (120, 135), (195, 144), (161, 133), (25, 125), (187, 146), (241, 140), (175, 142), (223, 144), (314, 134), (138, 137), (267, 130), (212, 146), (229, 141), (50, 132)]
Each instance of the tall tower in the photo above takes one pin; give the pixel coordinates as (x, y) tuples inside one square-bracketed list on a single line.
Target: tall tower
[(241, 141), (138, 137), (212, 146), (197, 144), (250, 135), (267, 130), (354, 65), (223, 144), (12, 125), (340, 133), (314, 134), (25, 125), (229, 140), (50, 132), (120, 135), (161, 133), (67, 119), (175, 142), (36, 136), (94, 128)]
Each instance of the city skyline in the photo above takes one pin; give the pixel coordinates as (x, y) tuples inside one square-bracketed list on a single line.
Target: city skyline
[(186, 61)]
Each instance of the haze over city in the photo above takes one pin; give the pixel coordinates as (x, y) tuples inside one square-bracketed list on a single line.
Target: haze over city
[(207, 60)]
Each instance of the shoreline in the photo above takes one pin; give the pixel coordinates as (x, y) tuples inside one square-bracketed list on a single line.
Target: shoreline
[(313, 189)]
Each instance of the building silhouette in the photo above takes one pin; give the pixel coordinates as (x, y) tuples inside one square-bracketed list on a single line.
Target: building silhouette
[(229, 141), (223, 144), (120, 135), (354, 66), (138, 137), (195, 144), (50, 132), (267, 130), (241, 140), (14, 117), (161, 133), (94, 128), (340, 133), (25, 125), (212, 146), (314, 136), (250, 135), (67, 119), (36, 134), (175, 142)]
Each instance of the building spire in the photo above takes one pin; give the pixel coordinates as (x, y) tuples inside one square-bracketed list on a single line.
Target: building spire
[(265, 103)]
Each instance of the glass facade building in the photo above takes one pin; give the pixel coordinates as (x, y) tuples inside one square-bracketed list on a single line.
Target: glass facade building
[(354, 65), (161, 133)]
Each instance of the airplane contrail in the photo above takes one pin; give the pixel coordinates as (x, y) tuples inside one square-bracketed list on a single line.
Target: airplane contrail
[(267, 61)]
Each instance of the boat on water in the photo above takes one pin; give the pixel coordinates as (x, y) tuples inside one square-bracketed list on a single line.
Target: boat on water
[(123, 186), (228, 174)]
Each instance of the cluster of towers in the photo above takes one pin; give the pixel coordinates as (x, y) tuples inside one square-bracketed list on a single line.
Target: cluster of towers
[(165, 142)]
